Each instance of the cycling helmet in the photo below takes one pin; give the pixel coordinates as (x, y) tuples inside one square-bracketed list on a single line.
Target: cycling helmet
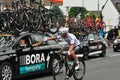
[(63, 30)]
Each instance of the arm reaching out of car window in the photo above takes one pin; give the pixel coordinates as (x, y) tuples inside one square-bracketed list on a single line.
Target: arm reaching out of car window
[(37, 44)]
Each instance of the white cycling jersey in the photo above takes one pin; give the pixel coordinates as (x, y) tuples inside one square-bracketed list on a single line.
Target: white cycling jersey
[(71, 39)]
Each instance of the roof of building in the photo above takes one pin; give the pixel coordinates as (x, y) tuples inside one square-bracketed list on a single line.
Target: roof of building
[(116, 3)]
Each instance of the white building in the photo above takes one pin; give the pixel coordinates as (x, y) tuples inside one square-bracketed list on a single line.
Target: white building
[(110, 13)]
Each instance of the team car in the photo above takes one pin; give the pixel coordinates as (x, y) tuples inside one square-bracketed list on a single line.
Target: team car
[(116, 44), (92, 44), (18, 62)]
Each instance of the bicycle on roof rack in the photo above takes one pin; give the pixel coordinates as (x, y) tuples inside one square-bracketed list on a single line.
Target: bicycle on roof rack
[(23, 18), (39, 18), (48, 21)]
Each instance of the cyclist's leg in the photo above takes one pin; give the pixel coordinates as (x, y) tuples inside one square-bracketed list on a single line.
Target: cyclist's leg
[(73, 54), (80, 71)]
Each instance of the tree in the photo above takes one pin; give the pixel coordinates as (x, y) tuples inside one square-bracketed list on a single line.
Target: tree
[(74, 11), (57, 11)]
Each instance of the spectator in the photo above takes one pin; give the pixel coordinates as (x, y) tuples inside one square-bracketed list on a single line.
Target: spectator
[(101, 32), (118, 30), (115, 31)]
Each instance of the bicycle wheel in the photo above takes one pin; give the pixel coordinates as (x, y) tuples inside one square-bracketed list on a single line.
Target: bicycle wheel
[(79, 74), (58, 71), (52, 23), (35, 20), (19, 21)]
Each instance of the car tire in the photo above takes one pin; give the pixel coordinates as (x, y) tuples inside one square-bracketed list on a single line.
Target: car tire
[(6, 71), (103, 54), (54, 60), (85, 56), (115, 50)]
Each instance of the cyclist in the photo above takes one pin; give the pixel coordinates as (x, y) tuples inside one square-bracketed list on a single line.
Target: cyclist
[(72, 40)]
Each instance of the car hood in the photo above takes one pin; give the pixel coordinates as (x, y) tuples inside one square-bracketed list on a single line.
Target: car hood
[(83, 42), (4, 50)]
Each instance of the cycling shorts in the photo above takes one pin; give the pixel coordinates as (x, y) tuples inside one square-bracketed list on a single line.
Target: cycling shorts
[(76, 49)]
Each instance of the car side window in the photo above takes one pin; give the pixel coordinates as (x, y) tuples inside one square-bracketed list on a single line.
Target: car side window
[(97, 37), (37, 38), (90, 36), (23, 42)]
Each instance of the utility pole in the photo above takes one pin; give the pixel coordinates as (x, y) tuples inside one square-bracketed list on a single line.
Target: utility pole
[(98, 8), (82, 3)]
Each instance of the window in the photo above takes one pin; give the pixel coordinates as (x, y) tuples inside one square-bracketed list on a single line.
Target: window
[(97, 37), (36, 38), (90, 36)]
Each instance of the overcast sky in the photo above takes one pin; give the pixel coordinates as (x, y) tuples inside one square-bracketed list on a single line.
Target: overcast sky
[(88, 4)]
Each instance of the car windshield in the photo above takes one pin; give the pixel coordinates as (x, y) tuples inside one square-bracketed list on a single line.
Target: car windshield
[(6, 40), (83, 37)]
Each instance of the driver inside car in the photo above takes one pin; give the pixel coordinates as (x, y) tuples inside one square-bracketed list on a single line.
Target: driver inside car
[(23, 44)]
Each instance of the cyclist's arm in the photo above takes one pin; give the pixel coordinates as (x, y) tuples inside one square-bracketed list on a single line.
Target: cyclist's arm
[(71, 44), (37, 44), (51, 38)]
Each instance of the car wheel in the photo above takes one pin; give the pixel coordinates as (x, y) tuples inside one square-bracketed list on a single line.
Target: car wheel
[(53, 62), (6, 71), (115, 50), (85, 56), (103, 54)]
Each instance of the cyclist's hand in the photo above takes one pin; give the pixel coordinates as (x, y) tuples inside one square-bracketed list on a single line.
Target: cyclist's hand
[(68, 53), (45, 39)]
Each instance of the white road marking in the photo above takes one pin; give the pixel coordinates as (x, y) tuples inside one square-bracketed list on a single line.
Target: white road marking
[(103, 57), (96, 59), (114, 55)]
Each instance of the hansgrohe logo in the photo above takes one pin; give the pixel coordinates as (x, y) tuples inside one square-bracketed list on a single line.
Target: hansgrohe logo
[(32, 68), (33, 62)]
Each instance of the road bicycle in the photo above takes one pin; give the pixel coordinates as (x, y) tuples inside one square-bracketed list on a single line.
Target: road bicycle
[(39, 18), (64, 68), (11, 20), (48, 22)]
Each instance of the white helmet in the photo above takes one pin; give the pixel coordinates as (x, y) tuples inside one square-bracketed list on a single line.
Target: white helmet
[(63, 30)]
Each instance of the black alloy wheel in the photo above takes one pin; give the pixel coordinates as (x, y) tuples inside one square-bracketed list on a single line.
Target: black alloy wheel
[(115, 49), (85, 56), (6, 71), (54, 61), (103, 54)]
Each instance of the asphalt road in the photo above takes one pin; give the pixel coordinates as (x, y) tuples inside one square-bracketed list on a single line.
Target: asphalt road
[(97, 68)]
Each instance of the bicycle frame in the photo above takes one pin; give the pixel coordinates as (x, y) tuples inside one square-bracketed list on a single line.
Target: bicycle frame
[(67, 66)]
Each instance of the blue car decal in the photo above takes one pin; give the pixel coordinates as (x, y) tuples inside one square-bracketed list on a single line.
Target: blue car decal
[(32, 68)]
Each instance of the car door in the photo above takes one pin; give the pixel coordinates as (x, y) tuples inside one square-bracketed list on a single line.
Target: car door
[(42, 52), (25, 57)]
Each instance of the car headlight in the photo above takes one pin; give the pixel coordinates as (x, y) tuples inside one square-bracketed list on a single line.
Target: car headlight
[(115, 41)]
